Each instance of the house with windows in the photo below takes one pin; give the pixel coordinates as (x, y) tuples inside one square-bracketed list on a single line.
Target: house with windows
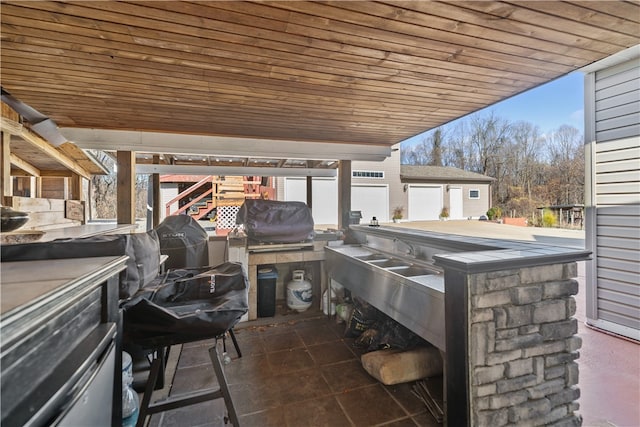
[(430, 189), (377, 188)]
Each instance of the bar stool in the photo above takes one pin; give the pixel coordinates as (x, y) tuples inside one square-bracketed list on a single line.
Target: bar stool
[(147, 408)]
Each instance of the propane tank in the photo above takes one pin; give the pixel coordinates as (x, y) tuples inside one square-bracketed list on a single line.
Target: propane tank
[(299, 292)]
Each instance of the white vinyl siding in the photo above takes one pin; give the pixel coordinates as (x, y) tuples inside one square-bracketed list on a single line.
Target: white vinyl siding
[(168, 191), (617, 102), (612, 133)]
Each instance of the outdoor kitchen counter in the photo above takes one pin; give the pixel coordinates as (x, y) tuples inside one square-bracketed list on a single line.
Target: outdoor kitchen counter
[(506, 325), (59, 341), (238, 251), (465, 252)]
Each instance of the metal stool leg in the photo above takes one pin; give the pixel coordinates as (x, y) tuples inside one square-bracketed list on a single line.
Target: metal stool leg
[(235, 342), (148, 391), (222, 381)]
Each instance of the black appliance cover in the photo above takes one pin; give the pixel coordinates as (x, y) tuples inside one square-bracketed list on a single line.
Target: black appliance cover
[(272, 221), (184, 241), (187, 305)]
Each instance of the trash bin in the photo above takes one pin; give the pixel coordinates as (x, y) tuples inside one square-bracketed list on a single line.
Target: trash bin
[(267, 278)]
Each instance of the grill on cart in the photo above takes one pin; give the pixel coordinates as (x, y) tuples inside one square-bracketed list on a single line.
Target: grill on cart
[(187, 305)]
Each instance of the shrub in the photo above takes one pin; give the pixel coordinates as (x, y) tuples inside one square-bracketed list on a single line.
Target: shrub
[(548, 218), (494, 213), (397, 212)]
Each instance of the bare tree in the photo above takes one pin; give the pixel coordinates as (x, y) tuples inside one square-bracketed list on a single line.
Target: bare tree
[(436, 147), (527, 143), (531, 170), (488, 133), (103, 190), (566, 152)]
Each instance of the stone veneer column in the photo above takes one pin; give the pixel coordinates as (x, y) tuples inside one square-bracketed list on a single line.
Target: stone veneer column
[(519, 350)]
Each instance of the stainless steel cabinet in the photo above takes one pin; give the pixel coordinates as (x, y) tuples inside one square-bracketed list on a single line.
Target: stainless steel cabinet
[(60, 345)]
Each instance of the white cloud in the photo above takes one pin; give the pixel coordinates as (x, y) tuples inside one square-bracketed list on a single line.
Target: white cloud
[(577, 116)]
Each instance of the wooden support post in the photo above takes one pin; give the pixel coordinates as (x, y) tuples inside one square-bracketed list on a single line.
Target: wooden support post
[(126, 187), (5, 166), (157, 199), (38, 189), (310, 192), (344, 193), (75, 187)]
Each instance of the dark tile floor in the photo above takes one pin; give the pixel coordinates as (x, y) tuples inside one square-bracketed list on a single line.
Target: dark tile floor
[(300, 372), (297, 373)]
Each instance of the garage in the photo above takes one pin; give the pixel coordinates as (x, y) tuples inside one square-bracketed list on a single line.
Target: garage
[(371, 200), (425, 202), (324, 206)]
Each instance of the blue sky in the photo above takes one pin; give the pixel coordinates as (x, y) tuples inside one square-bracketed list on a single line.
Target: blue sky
[(548, 106)]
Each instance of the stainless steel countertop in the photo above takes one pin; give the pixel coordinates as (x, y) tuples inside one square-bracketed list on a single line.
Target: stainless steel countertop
[(24, 283), (474, 254), (87, 230)]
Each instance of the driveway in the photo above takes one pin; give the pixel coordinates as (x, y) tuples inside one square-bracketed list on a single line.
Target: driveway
[(550, 236)]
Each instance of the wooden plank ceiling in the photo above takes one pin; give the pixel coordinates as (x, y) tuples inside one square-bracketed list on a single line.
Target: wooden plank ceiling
[(355, 72)]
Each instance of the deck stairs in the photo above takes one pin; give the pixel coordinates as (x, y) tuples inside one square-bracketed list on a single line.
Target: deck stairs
[(211, 192)]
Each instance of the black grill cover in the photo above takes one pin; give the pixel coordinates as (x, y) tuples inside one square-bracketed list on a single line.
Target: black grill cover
[(143, 264), (184, 241), (272, 221), (182, 307)]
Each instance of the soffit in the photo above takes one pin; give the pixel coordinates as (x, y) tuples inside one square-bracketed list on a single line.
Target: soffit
[(347, 72)]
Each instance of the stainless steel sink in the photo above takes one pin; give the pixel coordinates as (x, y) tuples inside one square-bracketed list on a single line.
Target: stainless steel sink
[(410, 271), (372, 257), (386, 263), (407, 291)]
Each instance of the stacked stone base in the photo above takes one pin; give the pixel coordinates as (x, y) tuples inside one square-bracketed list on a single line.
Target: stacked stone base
[(523, 347)]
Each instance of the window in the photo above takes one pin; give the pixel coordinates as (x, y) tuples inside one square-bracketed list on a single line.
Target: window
[(368, 174), (474, 194)]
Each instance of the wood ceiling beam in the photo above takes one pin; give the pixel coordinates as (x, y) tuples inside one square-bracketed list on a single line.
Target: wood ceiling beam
[(24, 165), (10, 126), (57, 173), (38, 142)]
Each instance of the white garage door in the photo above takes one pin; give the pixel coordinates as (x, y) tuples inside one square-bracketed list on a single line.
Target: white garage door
[(324, 198), (371, 200), (425, 202)]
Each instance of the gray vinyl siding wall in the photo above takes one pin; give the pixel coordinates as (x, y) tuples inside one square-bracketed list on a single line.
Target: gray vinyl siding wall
[(612, 133), (475, 207)]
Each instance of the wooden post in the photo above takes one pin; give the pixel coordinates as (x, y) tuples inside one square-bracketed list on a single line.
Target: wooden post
[(75, 187), (157, 198), (5, 166), (38, 190), (126, 187), (344, 193), (310, 192)]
